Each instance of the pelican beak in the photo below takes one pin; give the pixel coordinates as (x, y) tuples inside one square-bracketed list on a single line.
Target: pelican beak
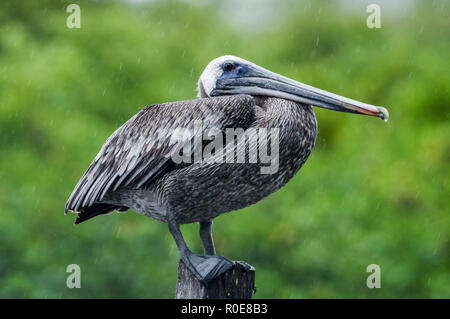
[(255, 80)]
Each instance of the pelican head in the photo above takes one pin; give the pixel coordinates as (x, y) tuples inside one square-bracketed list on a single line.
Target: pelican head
[(232, 75)]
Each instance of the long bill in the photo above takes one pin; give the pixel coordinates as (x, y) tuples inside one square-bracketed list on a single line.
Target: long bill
[(259, 81)]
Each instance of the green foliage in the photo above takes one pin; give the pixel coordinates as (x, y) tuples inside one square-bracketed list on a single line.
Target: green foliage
[(370, 193)]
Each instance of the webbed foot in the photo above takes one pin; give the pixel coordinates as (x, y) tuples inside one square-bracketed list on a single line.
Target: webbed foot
[(206, 267)]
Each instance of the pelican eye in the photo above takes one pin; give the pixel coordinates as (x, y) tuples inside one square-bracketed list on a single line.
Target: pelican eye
[(228, 66)]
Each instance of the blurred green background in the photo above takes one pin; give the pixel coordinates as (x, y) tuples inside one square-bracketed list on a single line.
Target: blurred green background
[(371, 192)]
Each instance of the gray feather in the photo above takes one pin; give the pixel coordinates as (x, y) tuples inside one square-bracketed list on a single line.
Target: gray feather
[(139, 146)]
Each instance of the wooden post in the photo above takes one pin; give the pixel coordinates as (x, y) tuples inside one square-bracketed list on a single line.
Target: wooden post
[(236, 283)]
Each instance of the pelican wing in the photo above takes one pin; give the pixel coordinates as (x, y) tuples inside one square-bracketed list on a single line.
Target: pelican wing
[(140, 150)]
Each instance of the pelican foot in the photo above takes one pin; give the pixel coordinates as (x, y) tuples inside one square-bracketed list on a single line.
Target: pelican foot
[(207, 267)]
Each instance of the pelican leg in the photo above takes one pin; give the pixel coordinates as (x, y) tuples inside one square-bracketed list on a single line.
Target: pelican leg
[(204, 267), (207, 239)]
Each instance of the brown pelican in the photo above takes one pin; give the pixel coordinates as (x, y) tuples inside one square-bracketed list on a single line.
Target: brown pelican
[(135, 167)]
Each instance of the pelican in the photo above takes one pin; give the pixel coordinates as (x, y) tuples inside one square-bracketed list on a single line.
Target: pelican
[(135, 168)]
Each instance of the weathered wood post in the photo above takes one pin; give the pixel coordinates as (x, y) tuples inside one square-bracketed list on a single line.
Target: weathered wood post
[(236, 283)]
